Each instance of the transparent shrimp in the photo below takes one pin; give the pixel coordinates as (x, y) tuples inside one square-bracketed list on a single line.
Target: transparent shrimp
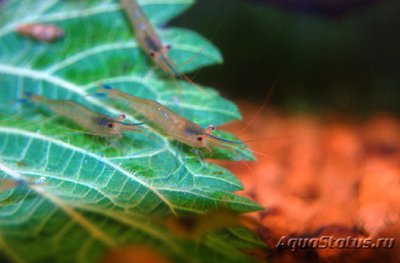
[(169, 122), (151, 42), (96, 123), (8, 183), (41, 32)]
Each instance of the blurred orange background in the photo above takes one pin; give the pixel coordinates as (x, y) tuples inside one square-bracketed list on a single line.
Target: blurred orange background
[(323, 175)]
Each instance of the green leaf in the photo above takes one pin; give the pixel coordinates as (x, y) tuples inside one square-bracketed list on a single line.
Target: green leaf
[(101, 193)]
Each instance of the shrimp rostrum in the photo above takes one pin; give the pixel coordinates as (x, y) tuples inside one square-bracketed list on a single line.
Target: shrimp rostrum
[(169, 122), (95, 123)]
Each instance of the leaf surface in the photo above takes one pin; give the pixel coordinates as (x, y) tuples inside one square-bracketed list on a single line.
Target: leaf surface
[(101, 193)]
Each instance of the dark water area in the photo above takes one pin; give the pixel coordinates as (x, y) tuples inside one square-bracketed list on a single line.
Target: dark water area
[(324, 55), (347, 62), (332, 8)]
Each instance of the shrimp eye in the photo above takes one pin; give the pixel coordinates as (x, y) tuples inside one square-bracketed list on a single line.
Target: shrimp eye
[(199, 138), (168, 46), (110, 125), (152, 54)]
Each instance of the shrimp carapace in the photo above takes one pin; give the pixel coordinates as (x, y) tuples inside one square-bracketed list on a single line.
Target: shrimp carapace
[(96, 123), (169, 122), (41, 32), (148, 38), (151, 42)]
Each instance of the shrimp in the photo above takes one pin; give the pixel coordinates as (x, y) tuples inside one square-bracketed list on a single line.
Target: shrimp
[(40, 32), (8, 184), (169, 122), (17, 180), (151, 42), (96, 123)]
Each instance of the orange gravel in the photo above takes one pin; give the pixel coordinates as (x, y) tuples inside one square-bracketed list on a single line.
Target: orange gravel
[(323, 175)]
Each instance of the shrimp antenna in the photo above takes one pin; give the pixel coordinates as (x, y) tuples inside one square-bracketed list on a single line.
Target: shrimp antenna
[(181, 75), (105, 121), (223, 140), (260, 109), (189, 60), (130, 124)]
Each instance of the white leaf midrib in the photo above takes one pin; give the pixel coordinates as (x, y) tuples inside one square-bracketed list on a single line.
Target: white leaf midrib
[(90, 52), (90, 186)]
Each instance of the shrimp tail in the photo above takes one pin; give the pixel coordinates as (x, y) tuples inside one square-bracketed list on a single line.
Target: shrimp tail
[(105, 86), (28, 94), (102, 91), (28, 97), (34, 97), (99, 94), (23, 100)]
